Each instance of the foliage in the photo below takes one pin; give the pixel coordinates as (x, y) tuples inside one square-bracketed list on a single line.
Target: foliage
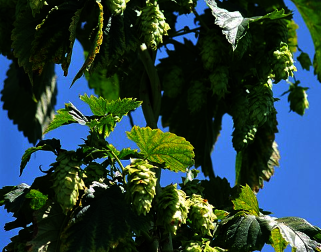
[(88, 200)]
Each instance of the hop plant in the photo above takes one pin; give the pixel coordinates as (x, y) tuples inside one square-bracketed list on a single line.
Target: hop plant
[(298, 99), (200, 246), (172, 208), (219, 81), (282, 63), (212, 49), (68, 180), (173, 82), (197, 96), (125, 245), (201, 215), (153, 25), (141, 185), (116, 6), (95, 172), (292, 36)]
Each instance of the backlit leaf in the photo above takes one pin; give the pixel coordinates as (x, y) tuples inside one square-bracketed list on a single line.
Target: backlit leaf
[(246, 201), (277, 240), (30, 107), (163, 148), (304, 60)]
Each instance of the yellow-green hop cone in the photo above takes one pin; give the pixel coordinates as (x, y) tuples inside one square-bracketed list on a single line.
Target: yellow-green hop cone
[(95, 172), (153, 25), (282, 63), (67, 180), (116, 6), (298, 99), (201, 215), (141, 185), (172, 208)]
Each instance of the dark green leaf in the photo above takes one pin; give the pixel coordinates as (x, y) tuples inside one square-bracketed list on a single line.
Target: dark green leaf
[(128, 153), (30, 107), (102, 222), (46, 145), (7, 14), (163, 148), (48, 224), (305, 61), (246, 201)]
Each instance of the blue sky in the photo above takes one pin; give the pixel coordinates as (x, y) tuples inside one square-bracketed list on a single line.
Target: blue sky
[(294, 190)]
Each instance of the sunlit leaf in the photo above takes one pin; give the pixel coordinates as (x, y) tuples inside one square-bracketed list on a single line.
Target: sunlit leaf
[(174, 151), (277, 240), (246, 201), (234, 25), (38, 200)]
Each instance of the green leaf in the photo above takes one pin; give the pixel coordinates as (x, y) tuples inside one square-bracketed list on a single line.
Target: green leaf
[(103, 221), (7, 14), (292, 232), (174, 151), (243, 234), (46, 145), (101, 106), (38, 200), (246, 201), (305, 61), (277, 240), (30, 107), (312, 19), (36, 6), (70, 114), (95, 48), (48, 224), (128, 153)]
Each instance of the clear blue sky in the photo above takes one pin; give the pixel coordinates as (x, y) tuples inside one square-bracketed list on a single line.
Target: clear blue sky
[(294, 190)]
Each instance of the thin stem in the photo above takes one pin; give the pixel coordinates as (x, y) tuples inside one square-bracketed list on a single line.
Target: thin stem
[(120, 164), (203, 24)]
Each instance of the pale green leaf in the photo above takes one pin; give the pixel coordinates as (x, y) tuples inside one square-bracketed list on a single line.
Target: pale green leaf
[(163, 148), (246, 201), (277, 240)]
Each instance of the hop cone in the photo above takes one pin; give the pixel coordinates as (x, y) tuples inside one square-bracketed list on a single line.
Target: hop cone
[(201, 215), (261, 103), (298, 99), (153, 25), (141, 185), (199, 246), (172, 208), (282, 63), (292, 36), (67, 180), (95, 172), (212, 49), (219, 81), (197, 96), (116, 6), (173, 82)]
